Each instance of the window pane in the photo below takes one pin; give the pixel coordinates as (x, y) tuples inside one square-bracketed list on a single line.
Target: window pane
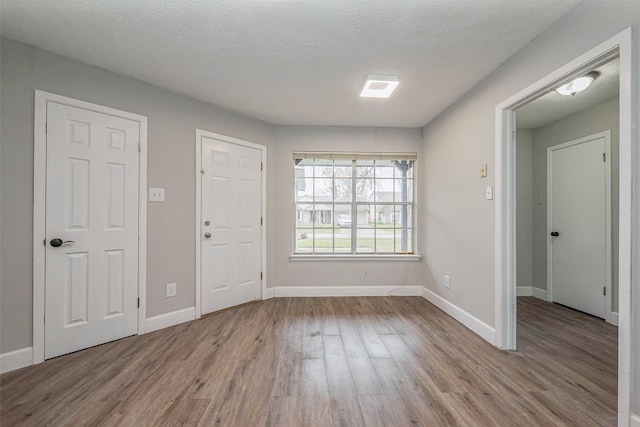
[(384, 216), (404, 168), (404, 190), (323, 240), (343, 216), (384, 190), (365, 240), (384, 169), (342, 240), (342, 168), (322, 215), (364, 168), (366, 216), (304, 240), (342, 190), (404, 242), (323, 168), (323, 189), (303, 215), (364, 190), (301, 187), (403, 216), (384, 240)]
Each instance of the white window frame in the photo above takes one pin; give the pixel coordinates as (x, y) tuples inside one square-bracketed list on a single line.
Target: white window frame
[(353, 157)]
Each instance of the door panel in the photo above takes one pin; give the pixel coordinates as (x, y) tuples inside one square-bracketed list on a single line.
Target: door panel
[(231, 203), (91, 284), (578, 214)]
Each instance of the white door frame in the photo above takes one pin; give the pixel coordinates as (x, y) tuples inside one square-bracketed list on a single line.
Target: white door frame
[(505, 214), (607, 144), (40, 213), (263, 209)]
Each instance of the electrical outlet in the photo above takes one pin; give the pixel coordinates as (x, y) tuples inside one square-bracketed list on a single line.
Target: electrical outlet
[(447, 281), (489, 193), (171, 290), (156, 194)]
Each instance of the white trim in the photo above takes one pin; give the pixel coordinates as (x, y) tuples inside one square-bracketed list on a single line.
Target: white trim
[(539, 293), (622, 46), (524, 291), (634, 421), (347, 291), (170, 319), (269, 293), (614, 318), (607, 221), (39, 207), (16, 359), (476, 325), (352, 257), (263, 150)]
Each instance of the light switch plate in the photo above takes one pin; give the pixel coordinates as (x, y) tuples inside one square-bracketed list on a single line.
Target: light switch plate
[(171, 290), (489, 193), (483, 170), (156, 194)]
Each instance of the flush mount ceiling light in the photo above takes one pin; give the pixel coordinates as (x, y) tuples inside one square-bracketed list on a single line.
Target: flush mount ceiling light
[(379, 86), (578, 85)]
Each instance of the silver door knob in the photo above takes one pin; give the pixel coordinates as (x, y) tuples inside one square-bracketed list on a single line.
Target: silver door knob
[(207, 235)]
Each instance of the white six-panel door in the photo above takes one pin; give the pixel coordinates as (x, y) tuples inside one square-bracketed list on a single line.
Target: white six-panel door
[(91, 281), (578, 223), (231, 247)]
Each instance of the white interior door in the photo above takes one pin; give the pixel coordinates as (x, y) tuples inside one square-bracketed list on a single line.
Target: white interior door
[(231, 251), (91, 285), (578, 223)]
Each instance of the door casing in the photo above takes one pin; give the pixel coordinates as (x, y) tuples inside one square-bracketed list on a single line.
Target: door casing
[(263, 209), (40, 212), (607, 143)]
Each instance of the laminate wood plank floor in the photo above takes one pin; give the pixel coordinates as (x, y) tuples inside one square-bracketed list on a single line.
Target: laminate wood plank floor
[(358, 361)]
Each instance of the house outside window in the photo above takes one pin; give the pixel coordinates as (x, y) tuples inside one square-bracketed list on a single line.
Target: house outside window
[(354, 203)]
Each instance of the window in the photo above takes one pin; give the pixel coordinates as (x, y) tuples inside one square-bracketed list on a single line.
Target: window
[(354, 203)]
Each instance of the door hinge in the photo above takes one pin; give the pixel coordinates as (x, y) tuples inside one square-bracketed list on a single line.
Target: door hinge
[(604, 157), (138, 302), (201, 171), (261, 166), (261, 275), (604, 290), (260, 220), (139, 147)]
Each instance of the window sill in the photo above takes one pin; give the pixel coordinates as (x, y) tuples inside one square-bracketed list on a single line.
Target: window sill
[(350, 257)]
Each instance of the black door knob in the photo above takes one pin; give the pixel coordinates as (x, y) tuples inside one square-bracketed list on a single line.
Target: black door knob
[(57, 242), (555, 233)]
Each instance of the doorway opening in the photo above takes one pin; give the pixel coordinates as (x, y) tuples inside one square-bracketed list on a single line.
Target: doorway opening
[(620, 47)]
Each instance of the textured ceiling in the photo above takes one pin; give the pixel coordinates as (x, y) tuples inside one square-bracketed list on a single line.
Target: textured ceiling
[(553, 106), (287, 62)]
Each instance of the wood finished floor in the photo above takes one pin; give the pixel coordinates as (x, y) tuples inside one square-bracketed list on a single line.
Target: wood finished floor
[(365, 361)]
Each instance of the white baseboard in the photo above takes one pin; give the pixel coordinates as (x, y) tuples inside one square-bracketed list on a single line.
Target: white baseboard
[(346, 291), (524, 291), (531, 291), (16, 359), (539, 293), (634, 420), (476, 325), (614, 318), (269, 293), (170, 319)]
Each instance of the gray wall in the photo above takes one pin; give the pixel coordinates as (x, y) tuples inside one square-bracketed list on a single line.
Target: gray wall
[(332, 273), (171, 164), (601, 117), (458, 221), (524, 207)]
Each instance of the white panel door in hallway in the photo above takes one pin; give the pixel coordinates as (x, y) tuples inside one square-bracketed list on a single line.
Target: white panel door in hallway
[(578, 221), (91, 265), (231, 247)]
